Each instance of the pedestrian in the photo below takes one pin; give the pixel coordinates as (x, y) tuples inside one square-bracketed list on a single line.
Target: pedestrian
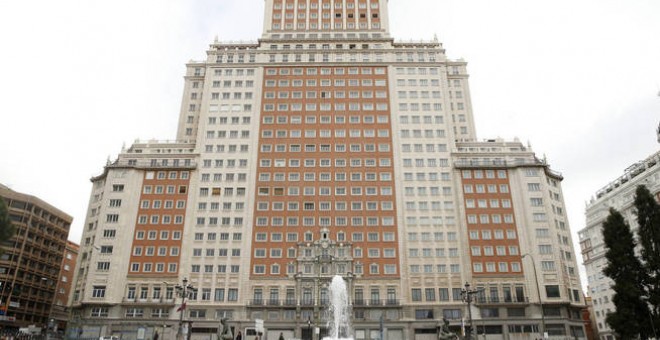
[(281, 336), (239, 336)]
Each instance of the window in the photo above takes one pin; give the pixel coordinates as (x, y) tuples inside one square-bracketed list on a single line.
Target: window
[(109, 233), (548, 265), (416, 294), (534, 187), (552, 291), (98, 292), (423, 314), (232, 294), (429, 294), (99, 312)]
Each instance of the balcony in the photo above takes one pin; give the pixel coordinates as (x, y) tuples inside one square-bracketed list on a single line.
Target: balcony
[(496, 163), (495, 300), (268, 303), (376, 303), (392, 302), (149, 164), (148, 301), (292, 303), (325, 258)]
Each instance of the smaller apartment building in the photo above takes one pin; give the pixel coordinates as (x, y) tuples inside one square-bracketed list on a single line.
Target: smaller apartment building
[(519, 245), (132, 242)]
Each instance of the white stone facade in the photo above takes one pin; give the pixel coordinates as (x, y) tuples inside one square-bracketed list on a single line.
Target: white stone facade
[(619, 195)]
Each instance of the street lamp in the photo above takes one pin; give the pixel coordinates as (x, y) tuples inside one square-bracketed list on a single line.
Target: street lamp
[(309, 327), (51, 322), (538, 290), (467, 296), (184, 291)]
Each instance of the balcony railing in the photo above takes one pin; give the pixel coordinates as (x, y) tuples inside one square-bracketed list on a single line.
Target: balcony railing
[(500, 300), (478, 163), (272, 302), (376, 302), (148, 164), (391, 302), (312, 302), (137, 300)]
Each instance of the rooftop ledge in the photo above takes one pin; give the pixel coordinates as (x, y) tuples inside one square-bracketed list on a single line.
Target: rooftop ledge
[(475, 164), (630, 173)]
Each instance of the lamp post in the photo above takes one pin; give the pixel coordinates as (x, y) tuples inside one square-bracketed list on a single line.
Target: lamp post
[(50, 326), (467, 295), (184, 291), (309, 327), (538, 290)]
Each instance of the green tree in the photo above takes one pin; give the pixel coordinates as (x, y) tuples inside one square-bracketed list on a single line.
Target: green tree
[(648, 219), (6, 227), (631, 318)]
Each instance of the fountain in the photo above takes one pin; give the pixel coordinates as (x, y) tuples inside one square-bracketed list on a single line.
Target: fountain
[(339, 318)]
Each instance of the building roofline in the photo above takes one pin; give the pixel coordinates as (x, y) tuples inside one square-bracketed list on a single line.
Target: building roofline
[(630, 172), (6, 191)]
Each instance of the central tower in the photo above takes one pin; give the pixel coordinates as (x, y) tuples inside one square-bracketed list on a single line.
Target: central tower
[(325, 16), (325, 198)]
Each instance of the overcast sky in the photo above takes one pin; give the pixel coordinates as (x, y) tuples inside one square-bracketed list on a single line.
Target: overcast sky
[(79, 78)]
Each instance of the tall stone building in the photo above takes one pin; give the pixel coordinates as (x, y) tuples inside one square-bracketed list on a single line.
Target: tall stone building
[(30, 261), (620, 195), (326, 148)]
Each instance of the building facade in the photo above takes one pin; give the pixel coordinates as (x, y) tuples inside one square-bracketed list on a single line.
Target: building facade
[(60, 312), (620, 195), (518, 238), (326, 148), (31, 260)]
